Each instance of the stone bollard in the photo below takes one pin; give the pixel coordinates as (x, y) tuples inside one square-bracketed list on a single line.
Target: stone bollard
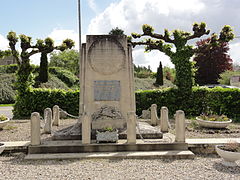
[(86, 129), (154, 117), (56, 115), (131, 127), (180, 126), (35, 129), (48, 121), (164, 121)]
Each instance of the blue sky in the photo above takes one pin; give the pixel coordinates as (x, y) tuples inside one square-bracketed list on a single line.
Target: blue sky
[(58, 19), (38, 18)]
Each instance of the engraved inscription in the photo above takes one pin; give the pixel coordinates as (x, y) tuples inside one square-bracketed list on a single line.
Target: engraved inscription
[(107, 90)]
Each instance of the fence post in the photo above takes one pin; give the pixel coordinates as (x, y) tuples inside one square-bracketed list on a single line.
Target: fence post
[(154, 117), (35, 129), (56, 115), (131, 127), (164, 121), (180, 126)]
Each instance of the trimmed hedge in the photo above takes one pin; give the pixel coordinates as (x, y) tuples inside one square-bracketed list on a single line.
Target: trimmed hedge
[(36, 100), (8, 68), (219, 100)]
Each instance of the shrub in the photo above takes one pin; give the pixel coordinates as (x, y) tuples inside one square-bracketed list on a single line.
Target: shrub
[(225, 76), (8, 68), (219, 100), (36, 100), (7, 92), (66, 76)]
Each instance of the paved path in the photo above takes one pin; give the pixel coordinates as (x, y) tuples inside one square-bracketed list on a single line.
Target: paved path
[(7, 111)]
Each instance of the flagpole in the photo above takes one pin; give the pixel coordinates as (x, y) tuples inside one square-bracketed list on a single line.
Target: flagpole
[(80, 59), (79, 25)]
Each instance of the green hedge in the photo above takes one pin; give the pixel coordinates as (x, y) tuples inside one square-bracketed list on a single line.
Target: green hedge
[(66, 76), (219, 100), (8, 68), (36, 100), (12, 68)]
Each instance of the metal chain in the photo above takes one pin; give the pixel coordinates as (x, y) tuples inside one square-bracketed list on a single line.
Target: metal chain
[(137, 123), (70, 115), (42, 124)]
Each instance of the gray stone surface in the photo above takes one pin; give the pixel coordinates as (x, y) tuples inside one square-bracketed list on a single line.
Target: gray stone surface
[(107, 90)]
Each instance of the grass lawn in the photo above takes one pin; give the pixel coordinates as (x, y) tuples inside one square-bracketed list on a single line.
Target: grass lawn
[(4, 105)]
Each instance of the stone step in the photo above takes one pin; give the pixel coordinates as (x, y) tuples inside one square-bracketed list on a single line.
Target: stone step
[(77, 147), (115, 155)]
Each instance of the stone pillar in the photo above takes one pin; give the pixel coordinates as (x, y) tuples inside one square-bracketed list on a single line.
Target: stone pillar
[(154, 117), (131, 127), (180, 126), (35, 129), (48, 121), (164, 121), (56, 115), (86, 129)]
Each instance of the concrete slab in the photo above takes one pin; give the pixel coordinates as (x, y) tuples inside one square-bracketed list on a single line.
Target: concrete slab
[(212, 140), (114, 155), (16, 146)]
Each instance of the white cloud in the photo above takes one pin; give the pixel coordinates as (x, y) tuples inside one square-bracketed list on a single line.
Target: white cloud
[(58, 35), (92, 5), (3, 43), (129, 15), (234, 52)]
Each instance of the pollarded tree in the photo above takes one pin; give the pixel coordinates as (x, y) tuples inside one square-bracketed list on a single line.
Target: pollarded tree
[(180, 55), (24, 78), (45, 47), (212, 59)]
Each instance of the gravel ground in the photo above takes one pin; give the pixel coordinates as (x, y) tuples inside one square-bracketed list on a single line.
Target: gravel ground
[(15, 167), (19, 130)]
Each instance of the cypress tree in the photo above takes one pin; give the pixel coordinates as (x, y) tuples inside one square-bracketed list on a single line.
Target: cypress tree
[(159, 76)]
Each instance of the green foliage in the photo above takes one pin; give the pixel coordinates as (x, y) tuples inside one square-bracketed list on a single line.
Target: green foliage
[(66, 76), (159, 76), (46, 47), (169, 73), (36, 100), (5, 53), (7, 92), (116, 32), (12, 68), (219, 100), (180, 55), (54, 83), (225, 76), (143, 72), (3, 117), (68, 59)]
